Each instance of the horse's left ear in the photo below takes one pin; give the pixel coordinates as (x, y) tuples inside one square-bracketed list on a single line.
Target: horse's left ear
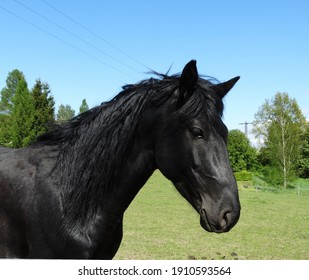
[(189, 76), (187, 82), (223, 88)]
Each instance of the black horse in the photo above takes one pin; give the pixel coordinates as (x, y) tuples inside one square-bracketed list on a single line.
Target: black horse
[(65, 195)]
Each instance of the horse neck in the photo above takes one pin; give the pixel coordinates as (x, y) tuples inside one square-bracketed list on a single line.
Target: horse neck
[(97, 174), (136, 171)]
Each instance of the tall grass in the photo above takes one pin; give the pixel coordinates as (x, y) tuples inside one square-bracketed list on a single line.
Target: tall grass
[(160, 224)]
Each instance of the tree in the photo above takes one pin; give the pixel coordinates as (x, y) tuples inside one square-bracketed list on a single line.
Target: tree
[(5, 129), (65, 112), (8, 93), (242, 155), (44, 111), (13, 82), (304, 154), (84, 107), (279, 123), (22, 116)]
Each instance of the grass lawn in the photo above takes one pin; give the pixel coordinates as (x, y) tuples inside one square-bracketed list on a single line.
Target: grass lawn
[(160, 224)]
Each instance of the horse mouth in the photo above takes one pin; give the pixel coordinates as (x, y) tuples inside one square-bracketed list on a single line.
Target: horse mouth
[(204, 221), (206, 224)]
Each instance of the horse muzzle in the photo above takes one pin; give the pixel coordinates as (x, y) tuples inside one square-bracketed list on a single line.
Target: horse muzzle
[(225, 221)]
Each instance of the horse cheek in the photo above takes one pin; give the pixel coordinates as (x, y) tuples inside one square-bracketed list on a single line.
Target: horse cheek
[(169, 159)]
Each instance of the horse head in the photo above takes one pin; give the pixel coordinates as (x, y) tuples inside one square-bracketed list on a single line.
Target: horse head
[(191, 149)]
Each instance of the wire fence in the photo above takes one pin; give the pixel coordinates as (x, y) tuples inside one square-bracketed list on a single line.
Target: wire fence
[(300, 187), (299, 190)]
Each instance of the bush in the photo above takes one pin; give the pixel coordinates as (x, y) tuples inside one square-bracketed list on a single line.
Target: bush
[(243, 175), (274, 177)]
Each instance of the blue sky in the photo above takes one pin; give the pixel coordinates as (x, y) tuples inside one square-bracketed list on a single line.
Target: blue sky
[(89, 49)]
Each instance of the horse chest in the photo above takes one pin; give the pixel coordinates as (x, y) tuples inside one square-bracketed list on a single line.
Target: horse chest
[(97, 240)]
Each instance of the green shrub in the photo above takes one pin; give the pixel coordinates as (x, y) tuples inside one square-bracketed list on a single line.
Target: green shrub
[(243, 175)]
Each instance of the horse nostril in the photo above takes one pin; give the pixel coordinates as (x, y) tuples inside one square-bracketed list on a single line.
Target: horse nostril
[(226, 219)]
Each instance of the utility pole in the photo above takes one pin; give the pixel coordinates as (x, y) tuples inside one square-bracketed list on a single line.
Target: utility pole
[(246, 127)]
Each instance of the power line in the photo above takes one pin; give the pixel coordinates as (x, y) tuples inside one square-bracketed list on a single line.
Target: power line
[(64, 41), (96, 35), (76, 36)]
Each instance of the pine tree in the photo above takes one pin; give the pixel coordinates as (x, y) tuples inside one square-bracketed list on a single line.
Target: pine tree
[(8, 93), (44, 111), (84, 107), (65, 113), (5, 130), (22, 116)]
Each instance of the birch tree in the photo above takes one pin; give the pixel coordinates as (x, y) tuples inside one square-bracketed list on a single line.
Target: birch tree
[(279, 124)]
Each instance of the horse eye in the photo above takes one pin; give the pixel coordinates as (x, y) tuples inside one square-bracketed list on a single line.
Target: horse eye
[(197, 132)]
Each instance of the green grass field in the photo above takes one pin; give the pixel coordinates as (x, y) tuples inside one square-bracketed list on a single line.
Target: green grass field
[(160, 224)]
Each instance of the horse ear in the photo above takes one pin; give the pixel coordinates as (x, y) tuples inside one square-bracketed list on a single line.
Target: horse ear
[(187, 82), (223, 88)]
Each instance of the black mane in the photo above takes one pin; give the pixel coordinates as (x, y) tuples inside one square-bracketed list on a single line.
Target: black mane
[(107, 132)]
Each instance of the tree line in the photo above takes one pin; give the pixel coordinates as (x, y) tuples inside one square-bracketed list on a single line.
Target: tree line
[(279, 125), (25, 114)]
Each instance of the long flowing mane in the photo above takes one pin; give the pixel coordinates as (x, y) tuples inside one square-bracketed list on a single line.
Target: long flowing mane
[(104, 135)]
